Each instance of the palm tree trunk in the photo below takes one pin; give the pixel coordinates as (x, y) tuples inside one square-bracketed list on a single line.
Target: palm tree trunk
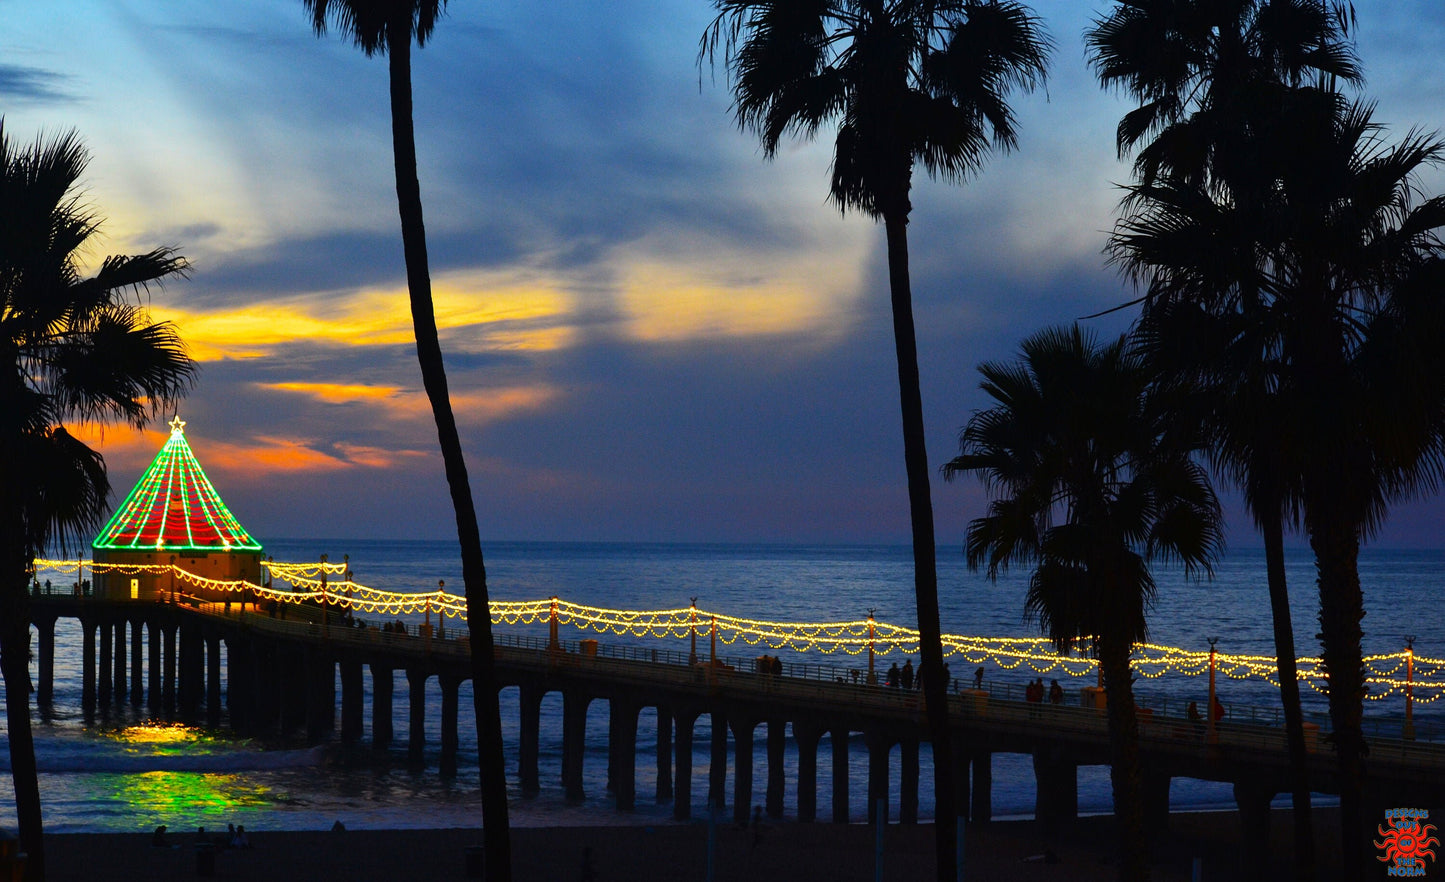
[(1124, 768), (1272, 527), (925, 565), (429, 354), (15, 667), (1336, 547)]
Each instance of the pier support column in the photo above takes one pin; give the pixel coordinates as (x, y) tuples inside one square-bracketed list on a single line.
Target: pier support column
[(1154, 793), (777, 780), (45, 694), (908, 781), (717, 772), (416, 719), (574, 741), (623, 716), (981, 811), (238, 685), (682, 791), (353, 699), (320, 694), (450, 687), (1056, 800), (961, 777), (1254, 816), (807, 738), (839, 739), (103, 674), (878, 746), (382, 686), (137, 660), (193, 672), (87, 666), (168, 645), (287, 674), (118, 658), (213, 681), (153, 666), (664, 754), (528, 748), (266, 690), (742, 767)]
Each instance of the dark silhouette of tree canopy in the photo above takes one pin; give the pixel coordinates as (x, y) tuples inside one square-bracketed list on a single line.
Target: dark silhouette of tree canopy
[(73, 349), (906, 81), (388, 27), (1319, 307), (1092, 478), (1214, 80)]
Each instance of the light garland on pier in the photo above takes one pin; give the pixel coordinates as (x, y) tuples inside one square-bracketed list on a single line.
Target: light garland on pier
[(1383, 672)]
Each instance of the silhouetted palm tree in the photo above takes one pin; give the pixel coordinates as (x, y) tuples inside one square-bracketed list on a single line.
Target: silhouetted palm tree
[(1315, 285), (1092, 479), (74, 350), (1213, 78), (905, 81), (388, 27)]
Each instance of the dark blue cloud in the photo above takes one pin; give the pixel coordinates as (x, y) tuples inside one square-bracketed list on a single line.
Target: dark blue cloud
[(33, 84)]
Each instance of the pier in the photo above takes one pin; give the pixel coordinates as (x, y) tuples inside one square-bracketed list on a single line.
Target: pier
[(283, 667)]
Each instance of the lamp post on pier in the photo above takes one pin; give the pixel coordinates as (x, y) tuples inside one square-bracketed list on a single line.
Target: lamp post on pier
[(325, 611), (553, 643), (1213, 735), (1409, 730), (872, 677), (692, 654)]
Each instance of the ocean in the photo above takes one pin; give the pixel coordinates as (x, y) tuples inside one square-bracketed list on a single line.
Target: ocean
[(126, 772)]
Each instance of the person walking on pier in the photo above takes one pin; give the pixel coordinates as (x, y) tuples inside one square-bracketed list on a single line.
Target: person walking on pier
[(893, 676), (1056, 692), (907, 675)]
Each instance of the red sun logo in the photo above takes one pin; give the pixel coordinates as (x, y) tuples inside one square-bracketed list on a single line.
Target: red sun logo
[(1406, 842)]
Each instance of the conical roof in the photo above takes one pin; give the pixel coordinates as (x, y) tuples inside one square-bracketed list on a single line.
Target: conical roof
[(173, 507)]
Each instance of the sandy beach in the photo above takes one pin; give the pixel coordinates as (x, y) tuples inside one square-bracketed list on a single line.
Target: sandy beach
[(783, 852)]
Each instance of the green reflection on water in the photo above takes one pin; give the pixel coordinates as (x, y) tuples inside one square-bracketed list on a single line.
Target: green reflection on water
[(193, 795)]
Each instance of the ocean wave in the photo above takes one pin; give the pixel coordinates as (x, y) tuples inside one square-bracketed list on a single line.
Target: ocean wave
[(98, 759)]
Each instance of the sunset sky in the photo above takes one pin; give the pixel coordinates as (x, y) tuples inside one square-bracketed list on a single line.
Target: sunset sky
[(651, 332)]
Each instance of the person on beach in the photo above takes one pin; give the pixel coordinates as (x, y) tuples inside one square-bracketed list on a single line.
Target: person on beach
[(239, 838), (158, 838), (906, 676)]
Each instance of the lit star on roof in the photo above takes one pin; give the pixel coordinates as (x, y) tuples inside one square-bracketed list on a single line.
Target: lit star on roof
[(178, 426)]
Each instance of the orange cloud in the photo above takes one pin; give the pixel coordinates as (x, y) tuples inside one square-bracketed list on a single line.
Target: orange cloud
[(337, 393), (677, 290), (484, 406), (506, 311)]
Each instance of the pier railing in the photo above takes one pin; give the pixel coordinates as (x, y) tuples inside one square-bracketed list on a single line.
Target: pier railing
[(1415, 679), (1163, 721)]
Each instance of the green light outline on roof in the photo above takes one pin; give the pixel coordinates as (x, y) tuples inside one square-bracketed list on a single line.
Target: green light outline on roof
[(173, 472)]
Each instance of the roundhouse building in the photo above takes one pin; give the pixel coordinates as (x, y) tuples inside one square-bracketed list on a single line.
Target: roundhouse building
[(173, 515)]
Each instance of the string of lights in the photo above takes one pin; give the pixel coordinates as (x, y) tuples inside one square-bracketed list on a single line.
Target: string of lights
[(1386, 673)]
